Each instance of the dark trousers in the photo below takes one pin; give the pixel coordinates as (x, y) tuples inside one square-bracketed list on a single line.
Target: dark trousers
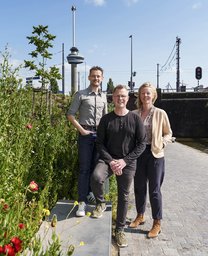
[(150, 170), (88, 157), (101, 172)]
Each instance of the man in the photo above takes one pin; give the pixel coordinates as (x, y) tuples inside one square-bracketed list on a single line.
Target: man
[(120, 141), (91, 104)]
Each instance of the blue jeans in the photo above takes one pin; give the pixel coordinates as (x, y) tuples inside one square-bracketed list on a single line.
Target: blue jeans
[(88, 157)]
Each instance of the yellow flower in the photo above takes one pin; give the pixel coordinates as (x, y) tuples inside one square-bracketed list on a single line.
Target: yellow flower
[(46, 212), (75, 203), (88, 214), (82, 243)]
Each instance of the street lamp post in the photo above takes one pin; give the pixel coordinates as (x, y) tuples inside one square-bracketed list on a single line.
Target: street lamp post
[(131, 83), (158, 75), (63, 71), (85, 74), (131, 77)]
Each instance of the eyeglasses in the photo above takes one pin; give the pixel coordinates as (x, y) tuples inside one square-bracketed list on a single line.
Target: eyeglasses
[(120, 96)]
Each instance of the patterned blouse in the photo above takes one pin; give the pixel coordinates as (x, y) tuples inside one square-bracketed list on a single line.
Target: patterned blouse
[(148, 125)]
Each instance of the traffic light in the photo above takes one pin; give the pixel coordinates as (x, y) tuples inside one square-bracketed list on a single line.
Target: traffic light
[(131, 84), (198, 73)]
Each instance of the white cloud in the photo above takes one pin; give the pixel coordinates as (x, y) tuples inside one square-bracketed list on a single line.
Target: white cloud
[(96, 2), (197, 5)]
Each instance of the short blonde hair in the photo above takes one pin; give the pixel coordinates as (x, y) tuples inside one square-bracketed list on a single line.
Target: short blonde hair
[(153, 89), (119, 87)]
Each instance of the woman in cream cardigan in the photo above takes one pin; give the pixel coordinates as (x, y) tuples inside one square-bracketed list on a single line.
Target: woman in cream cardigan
[(151, 164)]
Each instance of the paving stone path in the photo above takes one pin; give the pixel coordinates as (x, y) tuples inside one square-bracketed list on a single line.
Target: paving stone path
[(185, 215), (185, 209), (89, 236)]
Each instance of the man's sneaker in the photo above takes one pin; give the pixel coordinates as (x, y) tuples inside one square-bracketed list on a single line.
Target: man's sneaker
[(99, 209), (121, 238), (91, 198), (81, 209)]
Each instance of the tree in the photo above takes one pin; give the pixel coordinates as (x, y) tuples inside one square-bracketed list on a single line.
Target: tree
[(54, 85), (42, 41), (110, 86)]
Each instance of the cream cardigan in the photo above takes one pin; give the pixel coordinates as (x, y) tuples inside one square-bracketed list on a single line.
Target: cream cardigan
[(161, 132)]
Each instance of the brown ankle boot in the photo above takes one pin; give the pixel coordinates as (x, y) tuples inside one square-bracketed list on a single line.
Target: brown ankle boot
[(156, 229), (138, 221)]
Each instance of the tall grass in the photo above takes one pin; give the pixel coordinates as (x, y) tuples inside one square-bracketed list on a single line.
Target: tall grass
[(35, 145)]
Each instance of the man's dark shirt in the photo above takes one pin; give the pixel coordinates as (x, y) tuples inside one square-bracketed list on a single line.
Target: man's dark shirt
[(120, 137)]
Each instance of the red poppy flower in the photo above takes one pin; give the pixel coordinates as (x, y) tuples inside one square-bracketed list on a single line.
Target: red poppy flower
[(16, 240), (17, 243), (9, 250), (21, 225), (33, 186), (29, 126), (18, 247), (5, 207), (1, 249)]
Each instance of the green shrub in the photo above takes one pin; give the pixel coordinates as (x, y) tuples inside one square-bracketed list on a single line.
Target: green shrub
[(36, 144)]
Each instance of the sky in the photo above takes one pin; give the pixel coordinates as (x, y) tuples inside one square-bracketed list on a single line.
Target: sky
[(102, 35)]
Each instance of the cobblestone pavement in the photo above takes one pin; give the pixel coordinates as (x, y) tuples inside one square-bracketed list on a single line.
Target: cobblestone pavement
[(185, 209)]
